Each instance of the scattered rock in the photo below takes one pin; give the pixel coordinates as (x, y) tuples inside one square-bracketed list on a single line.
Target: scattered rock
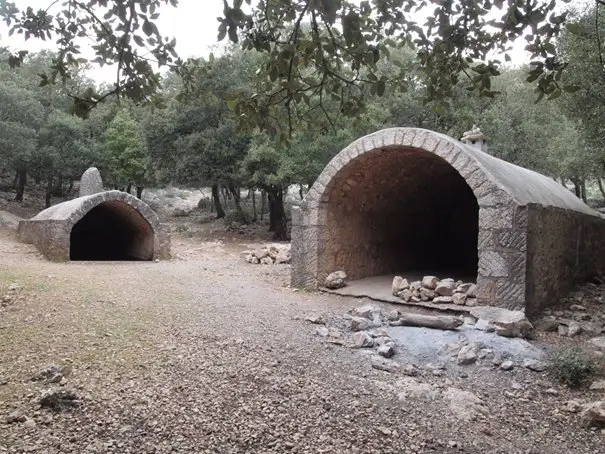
[(484, 325), (472, 291), (399, 284), (467, 355), (386, 350), (322, 331), (410, 370), (266, 261), (412, 388), (430, 282), (335, 336), (573, 328), (360, 324), (534, 364), (547, 323), (593, 414), (572, 406), (598, 385), (336, 280), (471, 302), (15, 416), (362, 339), (387, 365), (59, 399), (30, 424), (598, 342), (562, 330), (507, 365), (368, 311), (464, 404), (315, 319), (507, 323)]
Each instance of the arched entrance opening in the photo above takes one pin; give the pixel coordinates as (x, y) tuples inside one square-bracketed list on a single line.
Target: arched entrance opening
[(399, 210), (112, 230)]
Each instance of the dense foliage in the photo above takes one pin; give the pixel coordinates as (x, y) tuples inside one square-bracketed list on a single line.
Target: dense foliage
[(218, 122)]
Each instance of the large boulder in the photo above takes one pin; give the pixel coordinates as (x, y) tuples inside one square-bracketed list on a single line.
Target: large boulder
[(507, 323)]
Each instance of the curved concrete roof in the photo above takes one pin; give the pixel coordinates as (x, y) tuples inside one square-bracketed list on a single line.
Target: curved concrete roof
[(523, 186), (75, 209)]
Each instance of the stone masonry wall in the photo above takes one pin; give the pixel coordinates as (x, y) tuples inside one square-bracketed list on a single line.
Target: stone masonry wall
[(563, 249)]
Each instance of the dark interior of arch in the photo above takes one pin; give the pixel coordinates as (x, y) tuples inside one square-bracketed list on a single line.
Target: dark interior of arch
[(400, 210), (112, 230)]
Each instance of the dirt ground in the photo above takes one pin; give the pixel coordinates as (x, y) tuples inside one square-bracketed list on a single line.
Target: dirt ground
[(208, 354)]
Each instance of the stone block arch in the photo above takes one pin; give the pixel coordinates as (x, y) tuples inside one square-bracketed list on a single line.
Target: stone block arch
[(406, 173), (111, 225)]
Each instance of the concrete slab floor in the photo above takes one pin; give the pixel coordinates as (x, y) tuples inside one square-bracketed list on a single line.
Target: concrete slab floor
[(378, 288)]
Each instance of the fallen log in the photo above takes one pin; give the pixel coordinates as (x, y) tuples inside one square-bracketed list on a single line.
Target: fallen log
[(446, 322)]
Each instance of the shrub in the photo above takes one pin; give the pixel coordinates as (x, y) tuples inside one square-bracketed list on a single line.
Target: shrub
[(572, 366)]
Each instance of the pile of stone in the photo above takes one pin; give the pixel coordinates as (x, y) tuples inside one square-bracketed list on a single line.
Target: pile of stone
[(271, 254), (434, 290), (365, 325)]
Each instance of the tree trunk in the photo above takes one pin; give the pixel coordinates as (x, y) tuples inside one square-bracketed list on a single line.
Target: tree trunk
[(583, 188), (139, 191), (21, 182), (601, 189), (235, 192), (71, 187), (301, 192), (129, 188), (277, 214), (263, 203), (49, 192), (447, 322), (16, 180), (254, 215), (576, 187), (270, 200), (216, 198), (58, 188)]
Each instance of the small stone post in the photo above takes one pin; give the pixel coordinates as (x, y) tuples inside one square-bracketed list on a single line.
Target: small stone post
[(91, 182)]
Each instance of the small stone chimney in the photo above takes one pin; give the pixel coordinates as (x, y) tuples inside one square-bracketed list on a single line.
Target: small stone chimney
[(475, 139)]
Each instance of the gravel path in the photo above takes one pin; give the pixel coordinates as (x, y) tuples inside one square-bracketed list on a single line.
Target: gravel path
[(207, 354)]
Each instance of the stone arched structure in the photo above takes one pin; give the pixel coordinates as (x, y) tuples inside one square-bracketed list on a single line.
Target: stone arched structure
[(110, 225), (408, 198)]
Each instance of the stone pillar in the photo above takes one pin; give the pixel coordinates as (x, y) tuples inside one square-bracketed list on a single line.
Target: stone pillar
[(91, 182), (475, 138)]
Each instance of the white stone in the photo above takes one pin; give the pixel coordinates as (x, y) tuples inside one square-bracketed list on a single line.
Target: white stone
[(507, 365), (386, 350), (360, 324), (430, 282), (399, 284), (336, 280), (472, 291), (445, 287), (467, 355), (362, 339), (459, 299), (464, 405)]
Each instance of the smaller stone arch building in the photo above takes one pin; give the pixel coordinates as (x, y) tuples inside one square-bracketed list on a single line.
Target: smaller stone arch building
[(406, 199), (111, 225)]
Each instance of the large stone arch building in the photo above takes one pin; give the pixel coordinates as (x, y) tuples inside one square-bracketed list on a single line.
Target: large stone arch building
[(111, 225), (408, 198)]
